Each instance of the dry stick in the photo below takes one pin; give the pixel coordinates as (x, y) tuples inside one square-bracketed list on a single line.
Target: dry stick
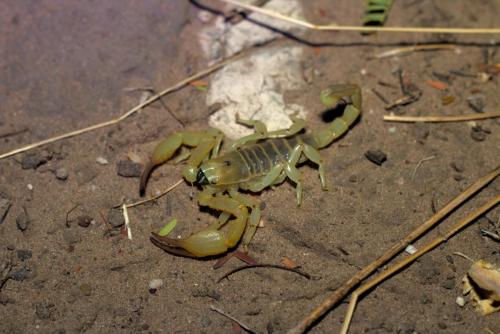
[(172, 187), (405, 262), (218, 310), (408, 49), (138, 107), (341, 292), (436, 119), (264, 265), (334, 27)]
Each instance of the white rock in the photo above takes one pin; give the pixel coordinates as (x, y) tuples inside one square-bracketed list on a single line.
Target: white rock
[(101, 161), (155, 283)]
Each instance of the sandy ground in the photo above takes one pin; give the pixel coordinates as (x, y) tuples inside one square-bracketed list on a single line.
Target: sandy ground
[(66, 263)]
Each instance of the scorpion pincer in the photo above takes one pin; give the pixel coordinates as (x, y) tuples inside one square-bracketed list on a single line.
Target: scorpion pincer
[(252, 163)]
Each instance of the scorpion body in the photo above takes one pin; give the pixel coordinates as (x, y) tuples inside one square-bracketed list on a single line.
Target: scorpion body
[(252, 163)]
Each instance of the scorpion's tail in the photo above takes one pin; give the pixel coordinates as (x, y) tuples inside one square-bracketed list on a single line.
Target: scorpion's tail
[(342, 93)]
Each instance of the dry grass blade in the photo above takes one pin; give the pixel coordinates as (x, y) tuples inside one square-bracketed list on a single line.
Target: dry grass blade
[(405, 262), (341, 292), (264, 265), (169, 189), (132, 111), (408, 49), (242, 325), (313, 26), (437, 119)]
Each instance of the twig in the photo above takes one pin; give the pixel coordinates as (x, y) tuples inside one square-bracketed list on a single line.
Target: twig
[(127, 221), (13, 133), (264, 265), (418, 165), (132, 111), (430, 47), (313, 26), (405, 262), (242, 325), (491, 235), (435, 119), (341, 292), (169, 189)]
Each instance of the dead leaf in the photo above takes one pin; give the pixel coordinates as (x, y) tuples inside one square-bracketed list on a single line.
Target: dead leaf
[(437, 84), (289, 263)]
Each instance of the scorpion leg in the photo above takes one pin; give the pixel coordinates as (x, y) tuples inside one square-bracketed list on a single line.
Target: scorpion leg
[(293, 173), (254, 219), (264, 181), (261, 131), (210, 241), (203, 142), (259, 128), (312, 154)]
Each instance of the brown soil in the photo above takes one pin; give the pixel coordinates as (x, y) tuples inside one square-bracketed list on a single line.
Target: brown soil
[(65, 65)]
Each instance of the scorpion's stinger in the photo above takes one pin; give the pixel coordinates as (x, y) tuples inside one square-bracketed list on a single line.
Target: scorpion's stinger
[(351, 95)]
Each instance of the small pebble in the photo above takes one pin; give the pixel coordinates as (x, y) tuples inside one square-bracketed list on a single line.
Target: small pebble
[(477, 133), (22, 221), (32, 161), (376, 156), (61, 174), (29, 186), (4, 208), (448, 284), (154, 285), (20, 274), (115, 217), (101, 161), (24, 254), (84, 221), (457, 166), (460, 301), (411, 249), (392, 129), (127, 168), (476, 102), (44, 311)]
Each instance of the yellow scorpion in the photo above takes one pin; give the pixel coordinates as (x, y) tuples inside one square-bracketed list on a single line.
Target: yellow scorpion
[(252, 163)]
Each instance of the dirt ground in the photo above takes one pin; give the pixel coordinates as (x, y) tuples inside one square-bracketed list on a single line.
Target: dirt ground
[(66, 263)]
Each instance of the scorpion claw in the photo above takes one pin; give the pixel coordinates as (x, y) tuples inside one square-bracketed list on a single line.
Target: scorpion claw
[(170, 245)]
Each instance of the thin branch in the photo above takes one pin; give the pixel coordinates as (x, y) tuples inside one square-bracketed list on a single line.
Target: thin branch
[(408, 49), (419, 164), (341, 292), (242, 325), (334, 27), (264, 265), (127, 221), (169, 189), (436, 119), (13, 132), (132, 111), (408, 260)]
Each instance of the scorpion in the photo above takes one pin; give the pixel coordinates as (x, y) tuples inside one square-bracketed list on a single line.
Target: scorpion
[(252, 163)]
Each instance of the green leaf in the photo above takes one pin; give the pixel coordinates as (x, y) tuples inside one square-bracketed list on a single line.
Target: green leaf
[(165, 230)]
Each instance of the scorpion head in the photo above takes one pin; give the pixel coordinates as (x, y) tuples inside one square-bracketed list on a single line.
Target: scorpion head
[(219, 172)]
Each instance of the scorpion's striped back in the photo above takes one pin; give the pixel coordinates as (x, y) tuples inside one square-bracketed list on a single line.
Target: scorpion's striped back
[(258, 158)]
